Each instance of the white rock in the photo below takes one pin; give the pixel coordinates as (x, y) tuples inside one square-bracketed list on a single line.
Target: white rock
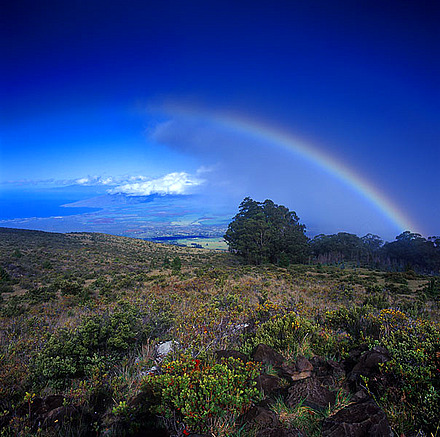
[(163, 349)]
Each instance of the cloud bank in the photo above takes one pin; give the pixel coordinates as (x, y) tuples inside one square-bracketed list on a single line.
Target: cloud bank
[(94, 180), (172, 183)]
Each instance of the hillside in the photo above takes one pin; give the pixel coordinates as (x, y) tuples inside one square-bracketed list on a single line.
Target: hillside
[(83, 315)]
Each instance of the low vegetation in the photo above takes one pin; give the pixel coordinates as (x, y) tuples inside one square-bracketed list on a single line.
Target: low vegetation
[(81, 316)]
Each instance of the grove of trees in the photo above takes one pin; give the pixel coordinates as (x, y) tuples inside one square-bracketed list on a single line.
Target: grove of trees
[(329, 249), (408, 251), (265, 232)]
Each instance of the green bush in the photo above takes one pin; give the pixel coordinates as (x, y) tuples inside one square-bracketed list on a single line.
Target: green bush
[(5, 282), (4, 275), (6, 288), (396, 277), (376, 297), (286, 332), (69, 353), (227, 301), (432, 289), (12, 307), (68, 287), (203, 397), (414, 370), (398, 289), (352, 320), (176, 264), (40, 294)]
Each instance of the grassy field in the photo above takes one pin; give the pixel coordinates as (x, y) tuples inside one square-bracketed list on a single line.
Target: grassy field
[(205, 243), (81, 315)]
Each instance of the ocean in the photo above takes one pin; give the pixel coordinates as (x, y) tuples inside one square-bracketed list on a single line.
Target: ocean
[(17, 203)]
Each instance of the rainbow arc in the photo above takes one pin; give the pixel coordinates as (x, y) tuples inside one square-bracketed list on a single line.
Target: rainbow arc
[(262, 131)]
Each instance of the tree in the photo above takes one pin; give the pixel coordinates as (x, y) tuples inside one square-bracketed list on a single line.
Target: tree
[(176, 264), (266, 232), (372, 242), (338, 247), (412, 251)]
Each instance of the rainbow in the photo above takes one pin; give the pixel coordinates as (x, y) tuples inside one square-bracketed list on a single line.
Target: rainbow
[(262, 131)]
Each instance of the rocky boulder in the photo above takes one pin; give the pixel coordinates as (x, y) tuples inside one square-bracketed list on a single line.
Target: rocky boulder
[(41, 406), (59, 416), (328, 372), (312, 393), (164, 349), (353, 357), (261, 418), (302, 369), (368, 364), (279, 432), (361, 419), (269, 384), (231, 354), (266, 355)]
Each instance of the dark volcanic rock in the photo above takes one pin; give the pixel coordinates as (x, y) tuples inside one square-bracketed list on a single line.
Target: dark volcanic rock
[(261, 417), (58, 416), (268, 383), (279, 432), (303, 365), (53, 401), (139, 406), (300, 370), (354, 356), (312, 393), (153, 432), (231, 353), (41, 406), (362, 419), (328, 372), (138, 401), (368, 363), (266, 355)]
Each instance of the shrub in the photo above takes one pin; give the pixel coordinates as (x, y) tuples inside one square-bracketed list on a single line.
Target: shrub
[(287, 332), (41, 294), (5, 288), (395, 277), (203, 397), (12, 307), (102, 337), (351, 320), (432, 289), (376, 299), (5, 282), (176, 264), (414, 370), (227, 301), (67, 287), (4, 275)]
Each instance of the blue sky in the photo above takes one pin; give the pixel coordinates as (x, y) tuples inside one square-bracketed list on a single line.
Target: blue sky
[(89, 90)]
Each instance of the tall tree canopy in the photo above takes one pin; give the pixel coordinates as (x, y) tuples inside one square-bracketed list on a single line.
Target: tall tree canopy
[(411, 250), (345, 247), (266, 232)]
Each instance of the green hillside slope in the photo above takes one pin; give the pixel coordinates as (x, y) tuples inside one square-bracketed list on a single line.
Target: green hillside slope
[(82, 315)]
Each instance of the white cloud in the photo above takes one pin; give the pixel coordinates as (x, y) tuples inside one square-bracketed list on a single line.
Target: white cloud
[(204, 169), (137, 178), (94, 180), (172, 183)]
